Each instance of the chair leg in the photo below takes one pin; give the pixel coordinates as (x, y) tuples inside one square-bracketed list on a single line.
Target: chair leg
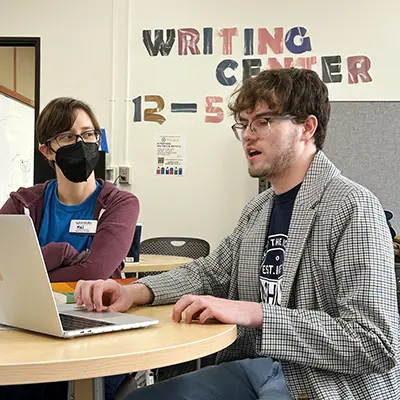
[(198, 363)]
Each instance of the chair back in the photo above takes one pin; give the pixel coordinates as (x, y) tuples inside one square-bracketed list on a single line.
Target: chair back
[(176, 246)]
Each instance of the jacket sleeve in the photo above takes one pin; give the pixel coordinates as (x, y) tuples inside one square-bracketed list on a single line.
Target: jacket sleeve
[(362, 336), (109, 247), (10, 207), (205, 276), (55, 255), (58, 254)]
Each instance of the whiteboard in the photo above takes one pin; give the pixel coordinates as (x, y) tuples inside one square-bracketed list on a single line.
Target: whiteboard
[(17, 127)]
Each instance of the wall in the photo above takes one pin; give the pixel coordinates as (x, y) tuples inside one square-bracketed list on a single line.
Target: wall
[(7, 67), (24, 73), (346, 44), (76, 46), (363, 141), (92, 50), (84, 54), (25, 61), (208, 199), (216, 184)]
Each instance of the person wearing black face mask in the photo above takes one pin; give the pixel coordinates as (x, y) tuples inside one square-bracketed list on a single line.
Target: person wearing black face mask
[(78, 159), (69, 137)]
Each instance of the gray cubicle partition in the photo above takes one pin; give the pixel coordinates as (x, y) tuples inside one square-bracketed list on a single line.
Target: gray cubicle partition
[(364, 142)]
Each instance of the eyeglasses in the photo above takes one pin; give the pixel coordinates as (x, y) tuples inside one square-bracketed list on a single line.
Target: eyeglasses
[(259, 127), (67, 138)]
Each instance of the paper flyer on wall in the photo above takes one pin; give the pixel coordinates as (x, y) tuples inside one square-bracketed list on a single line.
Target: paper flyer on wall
[(170, 155)]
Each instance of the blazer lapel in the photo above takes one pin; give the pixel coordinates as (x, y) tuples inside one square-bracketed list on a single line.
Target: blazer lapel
[(305, 208)]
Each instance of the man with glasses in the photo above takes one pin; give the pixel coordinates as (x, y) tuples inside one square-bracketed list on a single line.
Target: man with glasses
[(85, 226), (307, 274)]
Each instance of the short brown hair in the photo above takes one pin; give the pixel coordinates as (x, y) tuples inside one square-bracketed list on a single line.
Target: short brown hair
[(287, 91), (59, 116)]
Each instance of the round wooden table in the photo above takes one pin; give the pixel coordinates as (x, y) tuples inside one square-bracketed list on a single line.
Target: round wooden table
[(33, 358), (156, 263)]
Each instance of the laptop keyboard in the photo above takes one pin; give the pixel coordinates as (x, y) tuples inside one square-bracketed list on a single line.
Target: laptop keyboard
[(72, 322)]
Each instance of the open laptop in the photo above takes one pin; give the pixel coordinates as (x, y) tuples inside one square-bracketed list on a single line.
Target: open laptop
[(26, 297)]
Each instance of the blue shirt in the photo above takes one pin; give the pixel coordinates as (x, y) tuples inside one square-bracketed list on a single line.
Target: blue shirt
[(57, 218), (273, 261)]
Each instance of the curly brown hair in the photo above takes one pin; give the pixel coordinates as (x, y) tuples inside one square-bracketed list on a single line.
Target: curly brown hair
[(287, 91)]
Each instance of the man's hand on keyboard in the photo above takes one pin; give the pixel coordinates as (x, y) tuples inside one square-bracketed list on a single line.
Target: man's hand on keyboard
[(109, 295)]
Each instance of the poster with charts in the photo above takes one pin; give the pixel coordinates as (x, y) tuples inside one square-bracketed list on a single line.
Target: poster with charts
[(170, 155)]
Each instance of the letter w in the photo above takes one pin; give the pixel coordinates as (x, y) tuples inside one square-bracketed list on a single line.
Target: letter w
[(159, 45)]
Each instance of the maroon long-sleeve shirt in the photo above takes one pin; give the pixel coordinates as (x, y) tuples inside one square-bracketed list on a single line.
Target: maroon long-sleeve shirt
[(117, 212)]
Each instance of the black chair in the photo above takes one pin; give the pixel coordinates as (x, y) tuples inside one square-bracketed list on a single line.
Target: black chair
[(174, 246)]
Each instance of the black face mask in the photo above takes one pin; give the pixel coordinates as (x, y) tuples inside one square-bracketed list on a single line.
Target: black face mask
[(77, 161)]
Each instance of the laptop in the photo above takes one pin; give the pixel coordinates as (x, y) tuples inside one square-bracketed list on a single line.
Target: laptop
[(26, 297)]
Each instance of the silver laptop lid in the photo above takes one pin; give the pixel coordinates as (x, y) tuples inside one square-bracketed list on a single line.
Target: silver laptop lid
[(26, 298)]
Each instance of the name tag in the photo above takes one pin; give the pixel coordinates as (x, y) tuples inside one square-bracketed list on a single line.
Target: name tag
[(84, 226)]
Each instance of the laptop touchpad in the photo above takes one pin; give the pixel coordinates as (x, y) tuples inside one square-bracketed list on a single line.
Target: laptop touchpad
[(82, 312), (108, 316)]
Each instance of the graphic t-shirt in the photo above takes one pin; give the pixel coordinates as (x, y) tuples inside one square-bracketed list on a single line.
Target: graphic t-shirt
[(273, 261)]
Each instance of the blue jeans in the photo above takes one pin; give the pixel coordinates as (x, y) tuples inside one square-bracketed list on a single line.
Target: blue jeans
[(251, 379), (111, 384)]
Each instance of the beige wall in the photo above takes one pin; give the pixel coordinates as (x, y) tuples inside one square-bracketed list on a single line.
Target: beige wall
[(25, 70), (91, 61), (7, 67)]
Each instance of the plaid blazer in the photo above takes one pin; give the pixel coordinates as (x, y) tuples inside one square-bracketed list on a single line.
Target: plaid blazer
[(337, 330)]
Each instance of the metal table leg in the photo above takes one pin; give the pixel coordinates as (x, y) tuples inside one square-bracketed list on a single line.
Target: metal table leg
[(71, 390), (98, 389)]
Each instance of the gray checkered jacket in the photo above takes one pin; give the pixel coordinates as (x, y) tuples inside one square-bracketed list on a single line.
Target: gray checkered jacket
[(337, 329)]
